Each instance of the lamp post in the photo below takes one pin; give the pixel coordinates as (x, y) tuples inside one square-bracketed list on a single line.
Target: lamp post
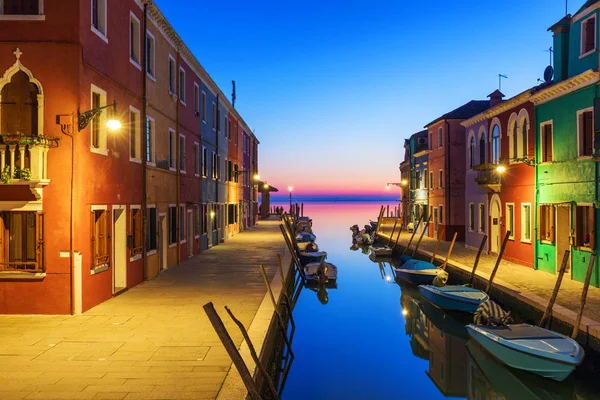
[(67, 123), (290, 189)]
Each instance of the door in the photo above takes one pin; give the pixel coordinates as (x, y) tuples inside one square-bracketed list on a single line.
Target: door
[(162, 241), (562, 231), (190, 232), (119, 246), (495, 226), (435, 223)]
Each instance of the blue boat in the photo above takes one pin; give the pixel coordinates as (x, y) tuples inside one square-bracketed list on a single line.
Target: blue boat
[(417, 272), (307, 257), (530, 348), (454, 297), (304, 237)]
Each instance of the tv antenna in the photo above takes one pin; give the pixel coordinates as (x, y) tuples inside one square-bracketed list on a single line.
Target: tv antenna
[(500, 76), (233, 94), (550, 51)]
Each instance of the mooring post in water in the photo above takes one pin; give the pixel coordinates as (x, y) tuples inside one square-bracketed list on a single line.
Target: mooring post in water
[(437, 247), (561, 273), (398, 237), (379, 217), (388, 211), (392, 234), (586, 285), (413, 234), (292, 252), (498, 259), (288, 304), (232, 350), (283, 327), (483, 240), (261, 368), (421, 236), (302, 209), (449, 251)]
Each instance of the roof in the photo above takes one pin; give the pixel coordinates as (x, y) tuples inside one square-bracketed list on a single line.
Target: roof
[(495, 93), (465, 111), (585, 5)]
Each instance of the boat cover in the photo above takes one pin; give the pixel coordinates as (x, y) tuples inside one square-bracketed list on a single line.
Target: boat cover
[(462, 291), (522, 331), (417, 265)]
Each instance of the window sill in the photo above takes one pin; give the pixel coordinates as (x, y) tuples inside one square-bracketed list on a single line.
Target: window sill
[(135, 258), (197, 175), (150, 164), (22, 17), (528, 241), (546, 242), (99, 34), (585, 248), (183, 241), (182, 102), (19, 275), (196, 236), (172, 169), (135, 63), (587, 54), (172, 245), (135, 160), (103, 152), (97, 270), (511, 238), (585, 157), (151, 252), (182, 171), (152, 77)]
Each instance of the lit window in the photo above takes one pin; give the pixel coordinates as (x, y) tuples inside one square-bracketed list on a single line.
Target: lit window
[(585, 231), (546, 223)]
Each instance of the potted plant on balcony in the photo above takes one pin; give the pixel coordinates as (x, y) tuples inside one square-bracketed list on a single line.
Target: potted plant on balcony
[(11, 138), (5, 176), (22, 173)]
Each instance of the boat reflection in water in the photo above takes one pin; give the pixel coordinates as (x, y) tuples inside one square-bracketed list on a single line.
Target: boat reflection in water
[(321, 289)]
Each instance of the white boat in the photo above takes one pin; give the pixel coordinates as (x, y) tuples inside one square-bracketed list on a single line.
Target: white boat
[(312, 273), (381, 250), (302, 246)]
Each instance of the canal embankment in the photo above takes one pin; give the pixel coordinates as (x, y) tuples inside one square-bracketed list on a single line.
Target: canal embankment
[(153, 341), (515, 286)]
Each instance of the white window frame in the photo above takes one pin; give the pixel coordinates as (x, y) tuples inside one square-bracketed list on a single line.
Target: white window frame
[(523, 220), (196, 99), (196, 159), (33, 17), (441, 178), (152, 157), (582, 35), (471, 219), (182, 224), (203, 105), (512, 232), (579, 134), (151, 58), (133, 18), (181, 156), (138, 136), (182, 87), (204, 166), (131, 208), (172, 80), (101, 121), (101, 35), (542, 143), (479, 209), (172, 148)]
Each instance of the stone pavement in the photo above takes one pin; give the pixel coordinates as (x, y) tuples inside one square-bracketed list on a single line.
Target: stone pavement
[(151, 342), (526, 284)]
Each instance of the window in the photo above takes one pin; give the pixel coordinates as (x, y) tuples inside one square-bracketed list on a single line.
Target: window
[(235, 135), (215, 217), (418, 179), (182, 85), (472, 152), (151, 230), (203, 107), (19, 110), (196, 222), (22, 7), (134, 39), (526, 222), (214, 165), (98, 124), (524, 149), (510, 219), (172, 225), (585, 132), (482, 146), (204, 218), (546, 145), (136, 233), (231, 214), (430, 180), (430, 144), (440, 130), (441, 178), (585, 232), (514, 141), (588, 35), (171, 75), (204, 162), (181, 153), (100, 238), (441, 208), (471, 216), (182, 230), (214, 116), (135, 147), (196, 99), (22, 238), (481, 217), (219, 174), (546, 223), (150, 59), (150, 141), (227, 134), (496, 145), (172, 149), (196, 159), (98, 17), (235, 173)]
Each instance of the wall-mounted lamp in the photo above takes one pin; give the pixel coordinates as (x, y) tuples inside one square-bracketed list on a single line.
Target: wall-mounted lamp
[(212, 214), (83, 119)]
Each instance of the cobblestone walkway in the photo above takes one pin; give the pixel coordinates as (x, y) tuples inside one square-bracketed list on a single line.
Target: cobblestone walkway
[(153, 341)]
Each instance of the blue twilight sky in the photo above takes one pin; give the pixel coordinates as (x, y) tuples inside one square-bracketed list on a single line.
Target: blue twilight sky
[(332, 88)]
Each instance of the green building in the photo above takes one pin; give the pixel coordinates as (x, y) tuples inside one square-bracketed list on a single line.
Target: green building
[(567, 154)]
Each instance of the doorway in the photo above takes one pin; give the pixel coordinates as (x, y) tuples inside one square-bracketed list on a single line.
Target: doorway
[(563, 228), (495, 215), (162, 241), (190, 233), (119, 245), (435, 223)]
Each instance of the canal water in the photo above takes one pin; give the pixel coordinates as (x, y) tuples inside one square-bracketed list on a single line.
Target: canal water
[(371, 338)]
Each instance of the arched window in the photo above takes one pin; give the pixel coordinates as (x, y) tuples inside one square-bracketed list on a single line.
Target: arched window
[(515, 141), (482, 145), (19, 106), (472, 152), (496, 145), (524, 150)]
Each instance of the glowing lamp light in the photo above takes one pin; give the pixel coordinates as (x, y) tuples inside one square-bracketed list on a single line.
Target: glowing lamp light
[(387, 187), (113, 124), (404, 182), (404, 312), (388, 278), (212, 214), (266, 186), (500, 168), (290, 188), (256, 177)]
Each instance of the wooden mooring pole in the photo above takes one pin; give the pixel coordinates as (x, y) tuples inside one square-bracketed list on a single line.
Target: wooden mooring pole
[(498, 259), (561, 273), (586, 285), (437, 247), (282, 326), (421, 237), (413, 234), (483, 240), (449, 251), (232, 350), (392, 234)]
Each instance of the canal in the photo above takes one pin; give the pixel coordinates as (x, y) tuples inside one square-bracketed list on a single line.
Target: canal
[(371, 338)]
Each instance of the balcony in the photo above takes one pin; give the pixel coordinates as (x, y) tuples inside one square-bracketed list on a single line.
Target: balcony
[(488, 178)]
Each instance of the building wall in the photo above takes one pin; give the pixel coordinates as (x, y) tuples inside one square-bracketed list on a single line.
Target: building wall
[(578, 65), (474, 193)]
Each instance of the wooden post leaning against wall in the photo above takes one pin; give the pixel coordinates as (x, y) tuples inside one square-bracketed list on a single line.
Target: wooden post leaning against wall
[(561, 273), (584, 292)]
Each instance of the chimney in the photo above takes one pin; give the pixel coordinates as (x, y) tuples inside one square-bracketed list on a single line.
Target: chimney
[(495, 97), (560, 33)]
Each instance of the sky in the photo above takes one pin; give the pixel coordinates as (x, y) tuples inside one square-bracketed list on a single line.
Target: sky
[(332, 88)]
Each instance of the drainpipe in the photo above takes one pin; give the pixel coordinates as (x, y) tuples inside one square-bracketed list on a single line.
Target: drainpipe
[(536, 189), (447, 173), (144, 147), (217, 128), (179, 157)]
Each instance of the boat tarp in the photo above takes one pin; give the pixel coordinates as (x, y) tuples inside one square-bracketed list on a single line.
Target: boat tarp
[(519, 332)]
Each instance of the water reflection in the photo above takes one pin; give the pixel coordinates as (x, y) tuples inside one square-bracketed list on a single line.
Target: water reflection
[(321, 289)]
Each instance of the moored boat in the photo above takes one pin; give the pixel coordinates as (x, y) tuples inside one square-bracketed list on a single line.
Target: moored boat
[(315, 271), (417, 272), (303, 246), (379, 250), (454, 297), (303, 237), (307, 257), (530, 348)]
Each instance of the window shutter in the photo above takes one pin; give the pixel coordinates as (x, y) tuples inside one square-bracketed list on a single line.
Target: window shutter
[(590, 30), (93, 238), (541, 233), (588, 133), (551, 225), (39, 226)]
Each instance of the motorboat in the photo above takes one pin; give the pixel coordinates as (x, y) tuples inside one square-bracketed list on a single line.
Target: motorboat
[(316, 270), (305, 237), (530, 348), (304, 245), (417, 272), (307, 257), (454, 297), (379, 250)]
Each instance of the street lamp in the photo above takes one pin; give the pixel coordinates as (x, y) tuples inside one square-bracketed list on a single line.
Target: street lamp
[(290, 189), (500, 168)]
